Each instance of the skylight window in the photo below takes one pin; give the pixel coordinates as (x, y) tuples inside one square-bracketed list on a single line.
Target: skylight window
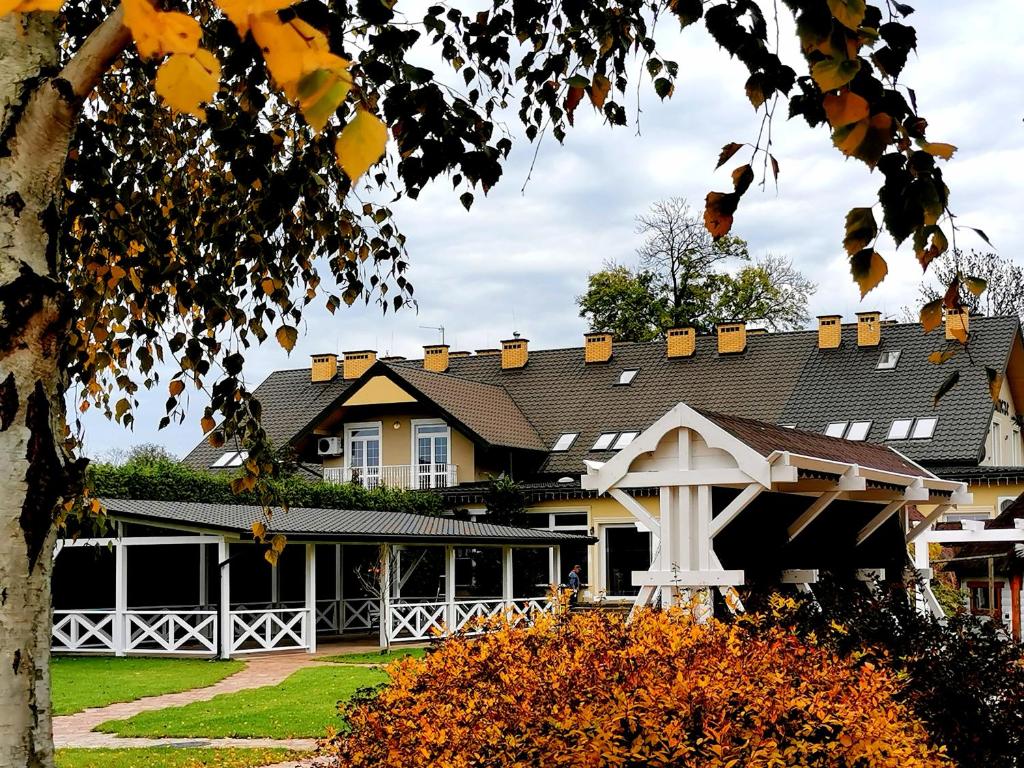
[(565, 441), (900, 429), (836, 429), (605, 441), (888, 359), (624, 439), (231, 459), (858, 430), (627, 376), (924, 428)]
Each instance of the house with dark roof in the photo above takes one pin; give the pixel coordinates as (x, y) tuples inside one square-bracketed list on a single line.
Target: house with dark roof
[(552, 418)]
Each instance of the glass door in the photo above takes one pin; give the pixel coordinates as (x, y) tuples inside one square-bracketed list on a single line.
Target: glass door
[(364, 454), (625, 550), (432, 455)]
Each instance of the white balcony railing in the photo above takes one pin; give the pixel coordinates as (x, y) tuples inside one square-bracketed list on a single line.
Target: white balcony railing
[(406, 476)]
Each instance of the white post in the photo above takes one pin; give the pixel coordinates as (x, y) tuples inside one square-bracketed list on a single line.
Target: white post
[(275, 592), (385, 596), (224, 619), (506, 576), (311, 597), (339, 598), (921, 560), (667, 549), (450, 618), (204, 591), (120, 594)]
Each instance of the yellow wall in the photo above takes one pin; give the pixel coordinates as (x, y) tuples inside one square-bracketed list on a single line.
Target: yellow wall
[(379, 390), (1009, 434)]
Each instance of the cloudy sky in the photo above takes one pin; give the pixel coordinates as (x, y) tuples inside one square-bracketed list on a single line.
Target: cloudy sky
[(519, 258)]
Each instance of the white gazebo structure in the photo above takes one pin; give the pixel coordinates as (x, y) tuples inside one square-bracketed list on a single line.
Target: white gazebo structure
[(188, 579), (742, 501)]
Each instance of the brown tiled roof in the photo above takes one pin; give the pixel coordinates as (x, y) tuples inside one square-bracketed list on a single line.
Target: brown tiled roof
[(768, 438)]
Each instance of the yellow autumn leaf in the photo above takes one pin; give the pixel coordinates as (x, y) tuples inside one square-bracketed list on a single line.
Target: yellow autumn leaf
[(938, 149), (243, 12), (186, 82), (833, 73), (27, 6), (868, 269), (845, 108), (322, 91), (291, 50), (599, 89), (849, 13), (287, 335), (157, 33), (361, 144)]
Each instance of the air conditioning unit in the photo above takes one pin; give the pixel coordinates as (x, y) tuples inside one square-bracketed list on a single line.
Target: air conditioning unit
[(330, 446)]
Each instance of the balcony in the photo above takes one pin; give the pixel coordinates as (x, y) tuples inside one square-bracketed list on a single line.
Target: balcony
[(408, 477)]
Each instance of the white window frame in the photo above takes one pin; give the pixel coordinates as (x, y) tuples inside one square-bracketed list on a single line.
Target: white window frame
[(352, 427), (630, 380), (225, 459), (555, 553), (602, 549), (885, 356), (931, 433), (842, 425), (612, 437), (573, 437), (415, 424), (905, 435), (867, 431)]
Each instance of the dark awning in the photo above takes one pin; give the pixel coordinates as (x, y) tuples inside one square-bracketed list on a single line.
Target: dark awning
[(337, 525)]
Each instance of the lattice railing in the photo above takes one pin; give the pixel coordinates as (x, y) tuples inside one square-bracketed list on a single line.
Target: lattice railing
[(426, 620), (83, 631), (275, 629), (191, 632)]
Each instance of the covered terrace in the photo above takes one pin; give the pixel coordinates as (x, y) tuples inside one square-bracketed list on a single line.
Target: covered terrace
[(188, 579)]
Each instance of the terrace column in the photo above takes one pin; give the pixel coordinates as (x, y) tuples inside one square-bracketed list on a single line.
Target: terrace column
[(120, 594), (506, 576), (224, 617), (339, 597), (1015, 587), (385, 596), (450, 619), (310, 598), (204, 592)]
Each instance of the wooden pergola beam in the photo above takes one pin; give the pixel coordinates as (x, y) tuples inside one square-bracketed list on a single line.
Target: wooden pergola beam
[(879, 520), (735, 507), (811, 514)]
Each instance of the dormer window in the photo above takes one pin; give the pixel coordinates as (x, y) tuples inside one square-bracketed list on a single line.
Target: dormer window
[(888, 359), (627, 376), (565, 441)]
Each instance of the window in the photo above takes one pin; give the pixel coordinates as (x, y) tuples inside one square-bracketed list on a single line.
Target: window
[(900, 429), (997, 443), (604, 442), (231, 459), (924, 428), (858, 430), (624, 439), (887, 360), (627, 376), (565, 441), (836, 429)]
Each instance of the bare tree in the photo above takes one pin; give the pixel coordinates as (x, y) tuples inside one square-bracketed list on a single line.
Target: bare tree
[(1004, 278)]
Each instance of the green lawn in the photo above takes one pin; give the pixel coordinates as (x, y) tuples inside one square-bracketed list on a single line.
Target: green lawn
[(302, 706), (80, 682), (376, 657), (172, 757)]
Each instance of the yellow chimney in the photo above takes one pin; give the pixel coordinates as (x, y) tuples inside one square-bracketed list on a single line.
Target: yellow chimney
[(358, 362), (514, 353), (597, 347), (869, 329), (681, 342), (732, 337), (435, 358), (830, 331), (325, 368), (958, 323)]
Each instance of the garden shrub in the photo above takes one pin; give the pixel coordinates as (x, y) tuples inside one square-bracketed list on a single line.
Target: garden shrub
[(964, 680), (591, 690)]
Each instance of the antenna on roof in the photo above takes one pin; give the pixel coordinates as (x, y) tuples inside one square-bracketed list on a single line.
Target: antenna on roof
[(439, 328)]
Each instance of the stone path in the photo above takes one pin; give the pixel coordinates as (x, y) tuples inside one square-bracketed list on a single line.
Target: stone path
[(77, 730)]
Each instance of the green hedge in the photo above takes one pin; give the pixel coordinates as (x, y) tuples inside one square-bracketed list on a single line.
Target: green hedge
[(167, 480)]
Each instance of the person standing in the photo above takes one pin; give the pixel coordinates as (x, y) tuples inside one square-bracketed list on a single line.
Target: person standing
[(574, 585)]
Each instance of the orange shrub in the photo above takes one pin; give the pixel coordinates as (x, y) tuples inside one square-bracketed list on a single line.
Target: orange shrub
[(590, 690)]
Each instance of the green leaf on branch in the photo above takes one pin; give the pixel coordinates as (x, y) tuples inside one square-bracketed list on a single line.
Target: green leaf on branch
[(833, 73), (868, 269), (849, 13)]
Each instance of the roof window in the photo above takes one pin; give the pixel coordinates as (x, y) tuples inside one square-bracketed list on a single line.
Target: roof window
[(627, 376), (625, 438), (924, 428), (836, 428), (858, 430), (914, 429), (565, 441), (900, 429), (604, 442), (231, 459), (888, 359)]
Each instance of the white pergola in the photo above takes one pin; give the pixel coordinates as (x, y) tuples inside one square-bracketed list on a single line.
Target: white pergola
[(686, 453)]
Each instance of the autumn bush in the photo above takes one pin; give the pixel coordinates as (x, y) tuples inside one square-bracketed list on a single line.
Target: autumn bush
[(591, 690)]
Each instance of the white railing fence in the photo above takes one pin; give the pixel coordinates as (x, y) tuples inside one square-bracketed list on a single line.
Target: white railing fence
[(83, 631), (275, 629), (191, 632), (405, 476), (427, 620)]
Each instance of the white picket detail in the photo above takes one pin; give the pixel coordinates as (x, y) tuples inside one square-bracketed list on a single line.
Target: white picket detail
[(178, 632), (275, 629), (425, 621), (360, 614), (417, 621), (83, 631)]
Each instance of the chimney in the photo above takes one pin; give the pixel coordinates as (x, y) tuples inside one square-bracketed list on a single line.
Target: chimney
[(597, 347), (757, 332), (490, 352), (869, 329), (325, 368), (958, 323), (681, 342), (358, 362), (435, 358), (460, 353), (514, 353), (830, 331), (732, 337)]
